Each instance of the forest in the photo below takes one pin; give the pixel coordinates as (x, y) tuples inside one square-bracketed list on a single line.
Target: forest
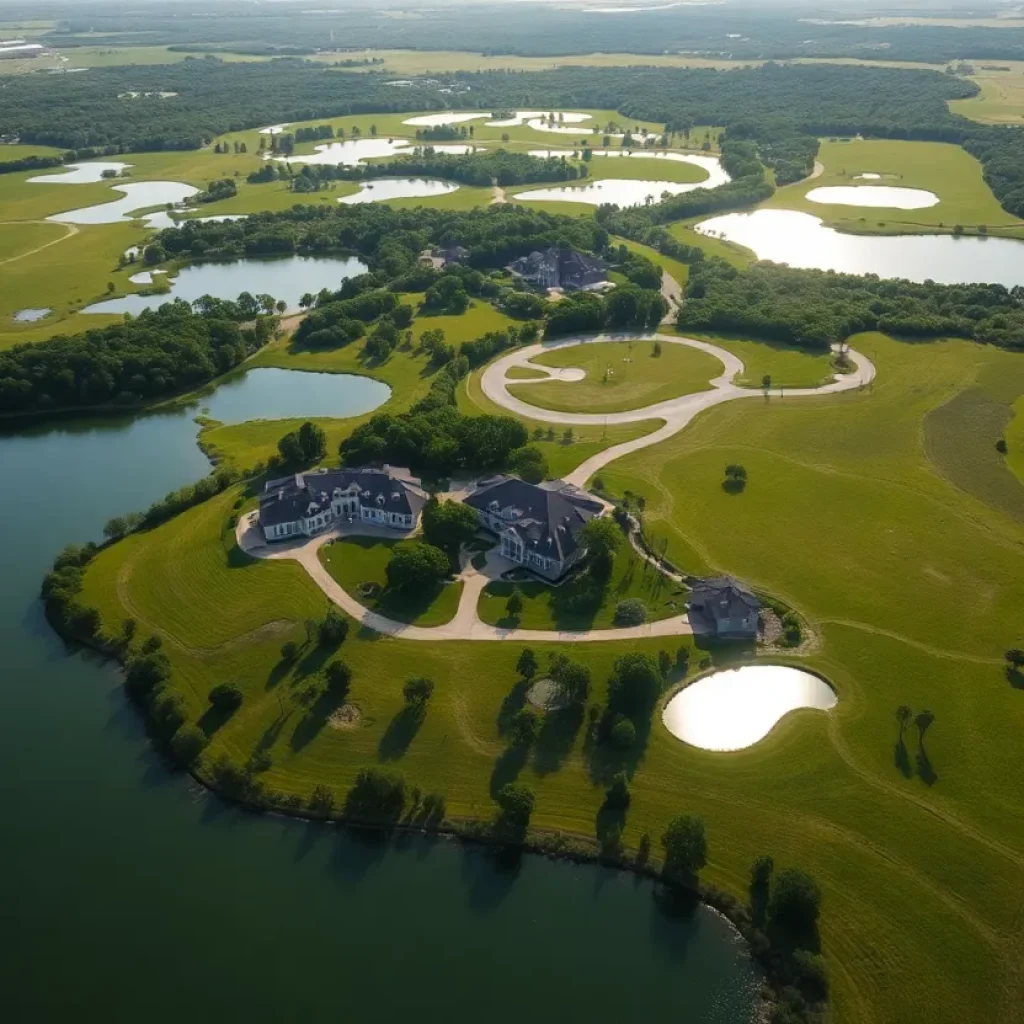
[(160, 353), (743, 31), (815, 309)]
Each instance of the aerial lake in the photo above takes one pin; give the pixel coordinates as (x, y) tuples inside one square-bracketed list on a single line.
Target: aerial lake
[(398, 188), (801, 240), (137, 196), (711, 165), (620, 191), (79, 174), (734, 709), (112, 855), (287, 278), (878, 196)]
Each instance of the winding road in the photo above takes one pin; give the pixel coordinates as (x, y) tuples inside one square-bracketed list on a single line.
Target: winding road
[(676, 413)]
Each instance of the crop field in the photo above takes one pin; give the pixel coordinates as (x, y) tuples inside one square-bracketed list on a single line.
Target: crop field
[(1001, 100), (619, 376), (918, 853), (941, 168)]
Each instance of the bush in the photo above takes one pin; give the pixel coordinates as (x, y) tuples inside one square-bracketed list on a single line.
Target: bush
[(339, 676), (376, 795), (143, 674), (795, 901), (631, 612), (167, 715), (333, 629), (417, 691), (686, 846), (416, 566), (623, 733), (525, 726), (226, 697), (321, 800), (188, 743)]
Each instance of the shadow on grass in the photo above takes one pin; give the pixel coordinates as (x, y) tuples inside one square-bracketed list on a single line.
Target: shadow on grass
[(902, 759), (605, 760), (928, 775), (313, 721), (734, 486), (1015, 677), (513, 703), (401, 731), (556, 738), (213, 718), (509, 764), (279, 671), (272, 731)]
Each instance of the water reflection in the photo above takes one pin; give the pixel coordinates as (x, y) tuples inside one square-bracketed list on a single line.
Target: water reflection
[(734, 709), (801, 240)]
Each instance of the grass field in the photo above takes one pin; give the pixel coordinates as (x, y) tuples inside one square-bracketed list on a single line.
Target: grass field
[(921, 866), (352, 561), (568, 607), (1001, 100), (1015, 440), (620, 375), (944, 169), (675, 269)]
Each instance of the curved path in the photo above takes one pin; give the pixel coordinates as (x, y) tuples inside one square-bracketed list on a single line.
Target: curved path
[(676, 412), (72, 229)]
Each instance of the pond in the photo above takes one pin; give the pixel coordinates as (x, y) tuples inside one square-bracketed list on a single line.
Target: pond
[(162, 219), (444, 118), (521, 116), (30, 316), (888, 196), (137, 196), (79, 174), (379, 189), (711, 165), (350, 152), (734, 709), (802, 240), (287, 278), (301, 900), (620, 191)]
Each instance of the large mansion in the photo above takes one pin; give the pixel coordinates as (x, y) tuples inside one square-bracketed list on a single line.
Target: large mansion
[(560, 268), (304, 504), (538, 525)]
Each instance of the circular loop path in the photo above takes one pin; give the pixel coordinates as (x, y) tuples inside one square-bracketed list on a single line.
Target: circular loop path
[(676, 412)]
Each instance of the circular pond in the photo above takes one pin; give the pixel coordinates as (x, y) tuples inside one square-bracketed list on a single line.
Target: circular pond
[(876, 196), (734, 709), (30, 316)]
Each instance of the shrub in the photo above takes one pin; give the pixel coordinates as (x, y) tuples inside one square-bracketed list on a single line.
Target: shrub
[(339, 676), (524, 728), (188, 743), (686, 846), (623, 733), (631, 612), (417, 691), (795, 901), (261, 761), (1001, 446), (143, 674), (376, 795), (321, 800), (167, 715), (226, 697), (333, 629)]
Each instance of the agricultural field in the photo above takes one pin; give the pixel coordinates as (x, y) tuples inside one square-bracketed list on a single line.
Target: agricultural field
[(1001, 100), (620, 376)]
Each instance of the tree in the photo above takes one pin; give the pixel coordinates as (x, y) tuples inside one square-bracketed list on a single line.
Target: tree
[(188, 743), (766, 383), (514, 604), (1015, 657), (289, 651), (332, 629), (530, 463), (145, 673), (516, 802), (339, 677), (526, 664), (618, 792), (601, 538), (524, 727), (903, 716), (630, 612), (448, 525), (623, 733), (416, 566), (417, 691), (686, 846), (153, 254), (573, 679), (115, 528), (923, 721), (656, 351), (226, 697), (735, 478), (321, 800), (304, 446), (1001, 446), (376, 795), (634, 685), (795, 902)]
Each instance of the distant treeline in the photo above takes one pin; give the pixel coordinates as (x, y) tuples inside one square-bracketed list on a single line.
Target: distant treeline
[(479, 170), (159, 353), (814, 308)]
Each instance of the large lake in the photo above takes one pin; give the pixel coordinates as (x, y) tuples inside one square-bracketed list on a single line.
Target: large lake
[(785, 236), (158, 903), (287, 278)]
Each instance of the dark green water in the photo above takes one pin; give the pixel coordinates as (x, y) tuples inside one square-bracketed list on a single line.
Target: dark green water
[(130, 895)]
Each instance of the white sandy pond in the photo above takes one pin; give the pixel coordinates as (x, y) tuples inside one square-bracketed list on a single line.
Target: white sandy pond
[(620, 191), (79, 174), (398, 188), (878, 196), (137, 196), (711, 165), (734, 709)]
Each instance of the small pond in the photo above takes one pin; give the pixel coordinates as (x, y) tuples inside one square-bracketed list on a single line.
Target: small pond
[(273, 129), (734, 709), (30, 316), (79, 174), (145, 276), (802, 240), (137, 196), (162, 219), (379, 189), (522, 116), (620, 191), (711, 165), (274, 394), (350, 152), (869, 176), (287, 278), (444, 118), (888, 196)]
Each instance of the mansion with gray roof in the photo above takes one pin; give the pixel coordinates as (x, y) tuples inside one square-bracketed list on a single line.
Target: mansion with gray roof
[(309, 503), (538, 525)]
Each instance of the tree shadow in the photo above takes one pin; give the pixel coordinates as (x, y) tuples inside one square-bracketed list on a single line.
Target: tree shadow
[(556, 738), (313, 660), (278, 672), (928, 775), (1015, 677), (513, 703), (401, 731), (313, 721), (759, 903), (510, 762), (605, 760), (273, 731), (610, 821), (213, 718), (787, 939), (734, 486), (902, 759)]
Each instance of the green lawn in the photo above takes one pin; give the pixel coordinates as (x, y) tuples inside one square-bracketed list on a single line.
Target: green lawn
[(353, 561), (1015, 440), (942, 168), (733, 254), (575, 605), (620, 375), (680, 271)]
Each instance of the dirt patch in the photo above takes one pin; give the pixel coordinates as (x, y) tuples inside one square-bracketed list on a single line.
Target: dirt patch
[(345, 718), (546, 695)]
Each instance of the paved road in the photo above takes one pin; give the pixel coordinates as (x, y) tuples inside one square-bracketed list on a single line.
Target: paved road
[(466, 625)]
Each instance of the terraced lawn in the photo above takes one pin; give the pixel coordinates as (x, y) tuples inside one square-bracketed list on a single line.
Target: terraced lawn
[(620, 376), (355, 562)]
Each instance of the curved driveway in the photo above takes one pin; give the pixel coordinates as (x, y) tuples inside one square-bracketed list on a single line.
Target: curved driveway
[(676, 412)]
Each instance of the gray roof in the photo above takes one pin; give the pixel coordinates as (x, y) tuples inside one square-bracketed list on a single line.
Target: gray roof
[(548, 519), (723, 597), (294, 497), (564, 267)]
